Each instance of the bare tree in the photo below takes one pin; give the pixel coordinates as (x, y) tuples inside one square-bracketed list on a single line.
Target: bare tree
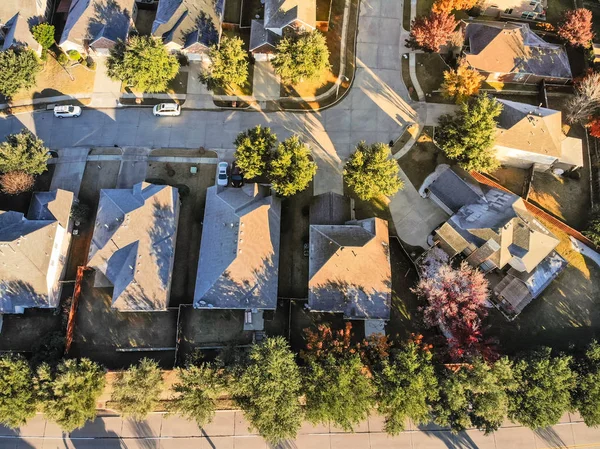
[(16, 182), (586, 100)]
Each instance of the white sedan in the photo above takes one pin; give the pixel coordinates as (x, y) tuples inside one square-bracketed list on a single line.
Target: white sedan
[(67, 111), (223, 174), (166, 110)]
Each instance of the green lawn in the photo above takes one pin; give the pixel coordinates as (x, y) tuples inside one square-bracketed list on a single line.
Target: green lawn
[(556, 8), (430, 71)]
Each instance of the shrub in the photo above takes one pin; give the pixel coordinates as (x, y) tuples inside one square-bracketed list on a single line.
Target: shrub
[(74, 55), (16, 182), (62, 59), (91, 63), (43, 34)]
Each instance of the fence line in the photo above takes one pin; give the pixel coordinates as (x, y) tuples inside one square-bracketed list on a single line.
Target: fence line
[(74, 303)]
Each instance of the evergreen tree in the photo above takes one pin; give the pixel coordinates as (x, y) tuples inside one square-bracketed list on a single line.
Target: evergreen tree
[(229, 62), (254, 148), (142, 63), (17, 398), (19, 68), (23, 152), (371, 173), (291, 168), (469, 135), (301, 57), (136, 391), (43, 33), (587, 394)]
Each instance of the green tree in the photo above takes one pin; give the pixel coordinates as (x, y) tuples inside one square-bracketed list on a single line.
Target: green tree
[(196, 392), (229, 62), (19, 69), (136, 391), (254, 148), (267, 390), (468, 136), (475, 396), (301, 57), (69, 395), (371, 173), (338, 391), (23, 152), (587, 394), (291, 168), (17, 399), (544, 389), (406, 385), (142, 63), (593, 227), (43, 34)]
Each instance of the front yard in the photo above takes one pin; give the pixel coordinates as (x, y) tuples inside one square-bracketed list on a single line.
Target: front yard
[(430, 74)]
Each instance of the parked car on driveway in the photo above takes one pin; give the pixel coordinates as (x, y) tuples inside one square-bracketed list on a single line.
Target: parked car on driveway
[(223, 174), (237, 179), (166, 110), (67, 111)]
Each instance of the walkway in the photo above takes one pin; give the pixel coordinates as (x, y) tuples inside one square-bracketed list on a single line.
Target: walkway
[(266, 84), (230, 430)]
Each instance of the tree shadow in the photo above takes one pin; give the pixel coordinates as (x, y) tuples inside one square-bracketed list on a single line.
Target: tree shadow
[(460, 440), (96, 429), (549, 435)]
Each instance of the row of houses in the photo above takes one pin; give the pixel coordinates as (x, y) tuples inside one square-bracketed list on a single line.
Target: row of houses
[(133, 248), (190, 27)]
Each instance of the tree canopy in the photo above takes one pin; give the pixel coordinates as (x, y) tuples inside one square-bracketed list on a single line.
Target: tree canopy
[(43, 33), (229, 62), (461, 83), (142, 63), (468, 136), (254, 148), (543, 393), (136, 391), (68, 396), (431, 32), (267, 390), (576, 27), (19, 69), (301, 57), (586, 100), (586, 397), (592, 231), (371, 173), (291, 168), (23, 152), (17, 397)]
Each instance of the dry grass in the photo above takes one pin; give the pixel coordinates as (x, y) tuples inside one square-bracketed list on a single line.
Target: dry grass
[(512, 178)]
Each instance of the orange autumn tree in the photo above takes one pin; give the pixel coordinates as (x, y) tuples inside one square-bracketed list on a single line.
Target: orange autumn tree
[(594, 127), (447, 6), (461, 83)]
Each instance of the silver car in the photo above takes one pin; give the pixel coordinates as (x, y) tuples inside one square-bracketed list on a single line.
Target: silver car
[(67, 111), (223, 174)]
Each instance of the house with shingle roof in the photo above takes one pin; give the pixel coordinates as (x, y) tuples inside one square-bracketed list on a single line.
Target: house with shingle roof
[(349, 261), (239, 250), (16, 19), (133, 245), (280, 16), (493, 231), (97, 25), (33, 252), (510, 52), (189, 26), (532, 136)]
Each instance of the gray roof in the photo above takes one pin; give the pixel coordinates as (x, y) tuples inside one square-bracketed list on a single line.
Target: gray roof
[(239, 251), (330, 208), (133, 245), (453, 191), (279, 13), (16, 17), (97, 20), (260, 36), (189, 22), (349, 269), (33, 252), (507, 47), (544, 273)]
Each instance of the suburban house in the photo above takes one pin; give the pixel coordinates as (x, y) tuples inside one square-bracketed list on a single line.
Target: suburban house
[(189, 26), (493, 230), (95, 26), (532, 136), (280, 18), (133, 245), (239, 252), (349, 261), (16, 19), (530, 10), (510, 52), (33, 252)]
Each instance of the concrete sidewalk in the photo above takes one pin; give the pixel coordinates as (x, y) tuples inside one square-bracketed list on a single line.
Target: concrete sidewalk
[(229, 429)]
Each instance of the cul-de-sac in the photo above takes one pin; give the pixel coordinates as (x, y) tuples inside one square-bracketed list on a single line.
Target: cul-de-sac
[(299, 224)]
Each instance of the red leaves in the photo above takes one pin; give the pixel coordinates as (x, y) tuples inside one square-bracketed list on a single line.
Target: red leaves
[(431, 32), (576, 27)]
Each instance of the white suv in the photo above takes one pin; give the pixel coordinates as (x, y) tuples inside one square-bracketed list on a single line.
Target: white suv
[(67, 111), (166, 109)]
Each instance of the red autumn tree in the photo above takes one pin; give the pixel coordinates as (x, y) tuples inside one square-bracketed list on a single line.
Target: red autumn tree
[(456, 303), (594, 127), (430, 32), (576, 27), (448, 6)]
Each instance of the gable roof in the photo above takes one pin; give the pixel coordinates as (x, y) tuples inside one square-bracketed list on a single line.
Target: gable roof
[(259, 36), (33, 251), (507, 47), (280, 13), (91, 20), (454, 191), (133, 245), (349, 269), (189, 22), (239, 251), (16, 16), (17, 33)]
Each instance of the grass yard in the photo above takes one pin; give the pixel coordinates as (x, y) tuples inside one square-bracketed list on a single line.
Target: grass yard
[(512, 178), (192, 191), (233, 12), (177, 85), (54, 80), (422, 159), (556, 8), (430, 71), (23, 333), (424, 7), (323, 10), (407, 79)]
